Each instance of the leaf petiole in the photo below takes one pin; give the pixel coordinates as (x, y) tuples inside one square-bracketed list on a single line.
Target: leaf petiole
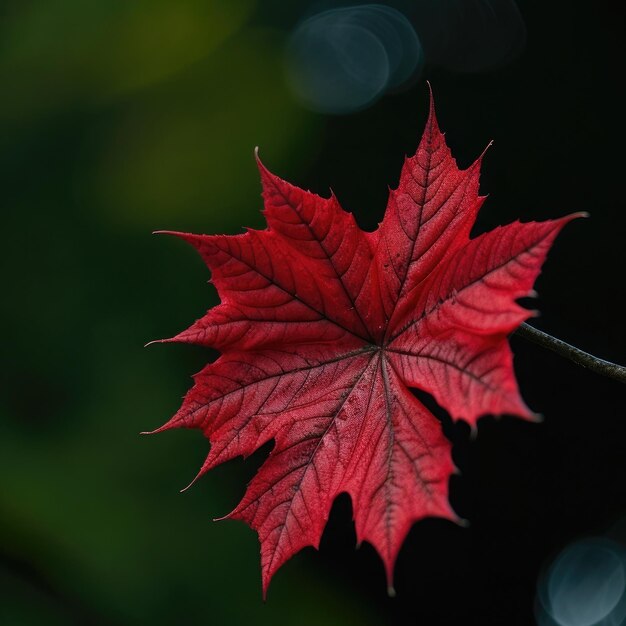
[(578, 356)]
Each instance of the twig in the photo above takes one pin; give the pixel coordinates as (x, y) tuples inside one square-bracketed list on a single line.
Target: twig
[(584, 359)]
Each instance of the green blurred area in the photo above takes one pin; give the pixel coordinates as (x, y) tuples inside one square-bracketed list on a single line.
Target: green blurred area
[(118, 118)]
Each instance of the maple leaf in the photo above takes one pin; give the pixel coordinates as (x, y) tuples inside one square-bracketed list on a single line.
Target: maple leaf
[(323, 328)]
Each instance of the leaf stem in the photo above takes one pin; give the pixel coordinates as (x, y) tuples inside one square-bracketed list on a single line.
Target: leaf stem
[(578, 356)]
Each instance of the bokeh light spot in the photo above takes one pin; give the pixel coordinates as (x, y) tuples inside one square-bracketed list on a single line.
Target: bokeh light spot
[(342, 60), (585, 586)]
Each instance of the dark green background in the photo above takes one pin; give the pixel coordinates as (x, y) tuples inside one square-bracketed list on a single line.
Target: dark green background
[(118, 118)]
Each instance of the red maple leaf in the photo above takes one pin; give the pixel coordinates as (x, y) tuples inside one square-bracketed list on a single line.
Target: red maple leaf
[(323, 328)]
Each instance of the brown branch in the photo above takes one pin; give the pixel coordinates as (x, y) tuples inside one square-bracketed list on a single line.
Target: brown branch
[(578, 356)]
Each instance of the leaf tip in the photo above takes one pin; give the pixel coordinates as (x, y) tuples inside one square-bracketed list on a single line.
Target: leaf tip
[(171, 423), (462, 522), (259, 163), (152, 432), (432, 118), (191, 483), (391, 592), (573, 216), (482, 154), (188, 237)]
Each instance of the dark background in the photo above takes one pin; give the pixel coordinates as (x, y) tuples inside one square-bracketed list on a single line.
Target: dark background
[(119, 118)]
